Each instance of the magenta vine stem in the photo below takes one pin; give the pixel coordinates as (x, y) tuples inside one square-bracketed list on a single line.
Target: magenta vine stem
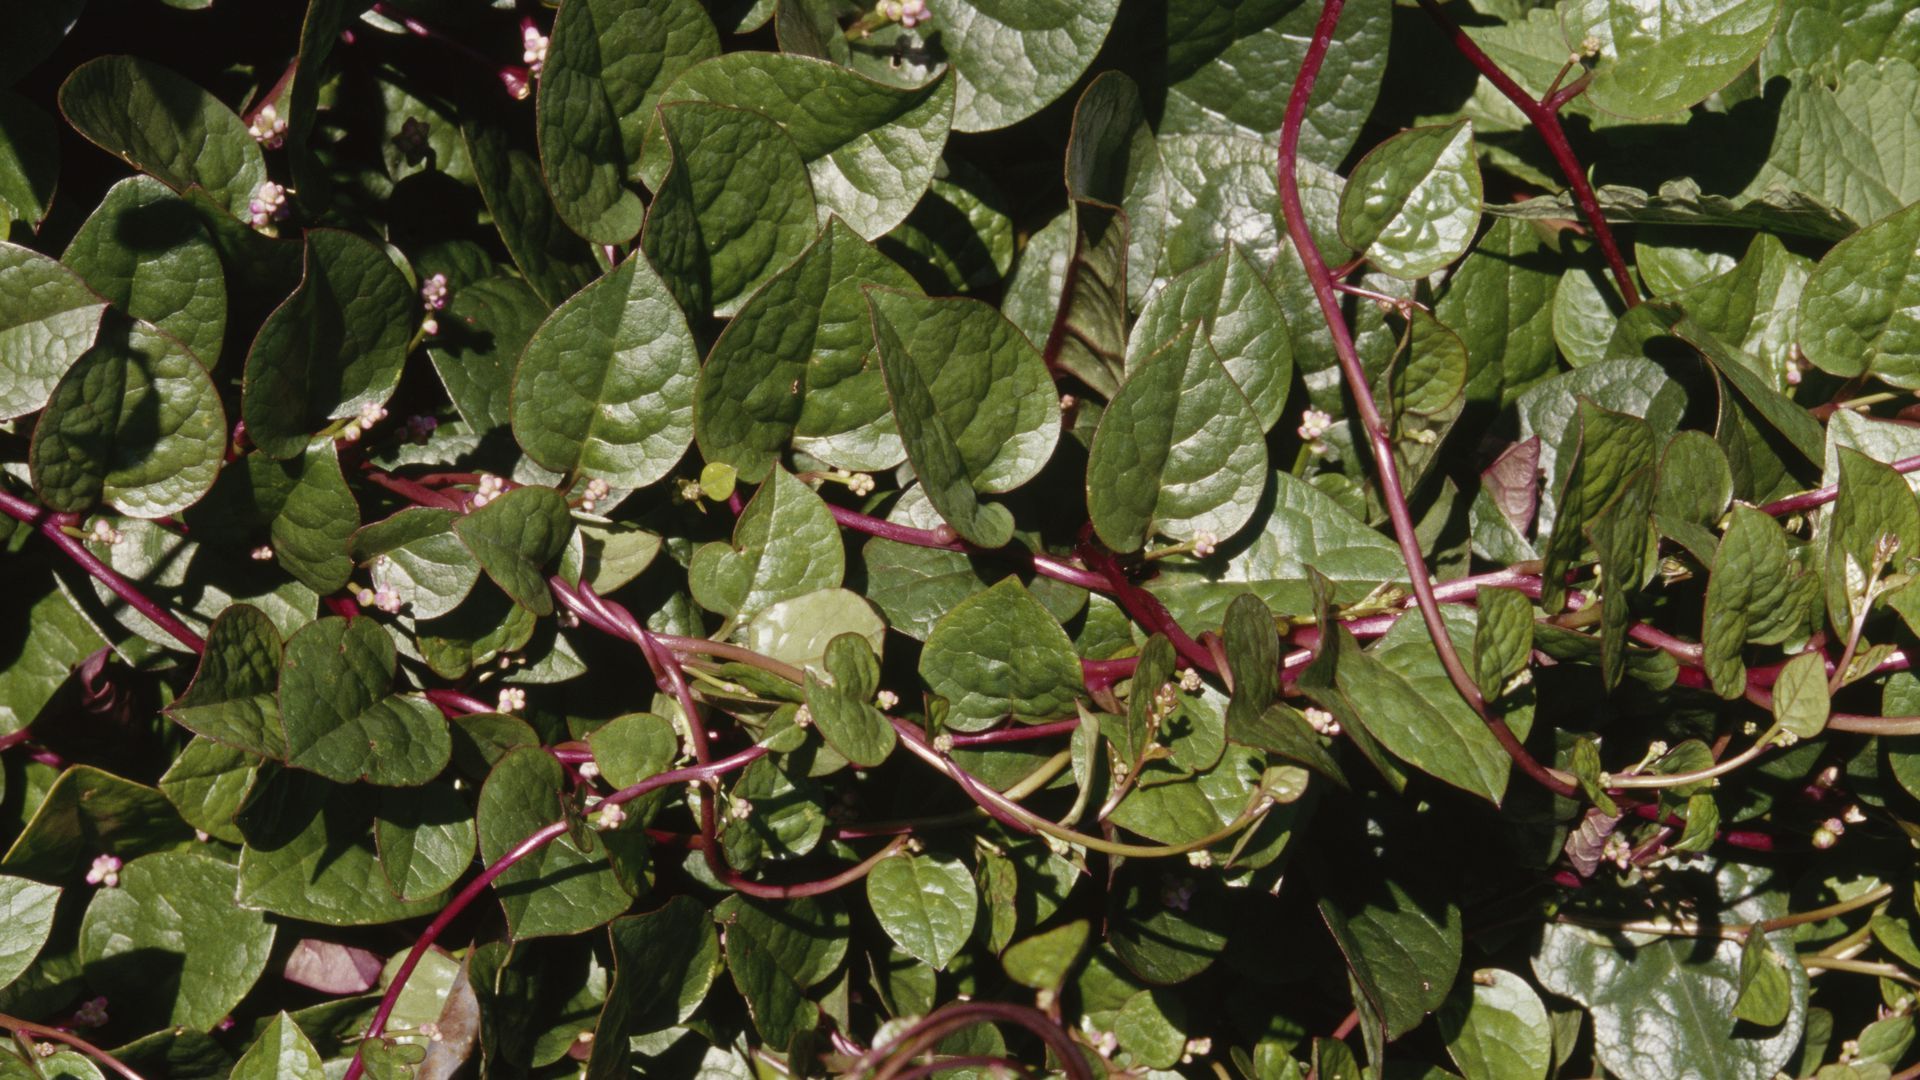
[(44, 520), (929, 1030), (945, 539), (1378, 438), (1544, 115), (1808, 500), (454, 703), (541, 838), (42, 1031)]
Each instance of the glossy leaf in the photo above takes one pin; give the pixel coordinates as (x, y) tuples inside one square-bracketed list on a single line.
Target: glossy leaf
[(1412, 204), (1179, 452), (145, 249), (135, 423), (337, 344), (1856, 316), (1242, 320), (775, 955), (1497, 1027), (926, 904), (28, 907), (310, 855), (418, 555), (47, 321), (343, 720), (664, 963), (973, 401), (234, 696), (282, 1050), (515, 537), (166, 126), (1657, 58), (482, 334), (785, 544), (558, 889), (605, 387), (29, 160), (1012, 58), (998, 653), (555, 260)]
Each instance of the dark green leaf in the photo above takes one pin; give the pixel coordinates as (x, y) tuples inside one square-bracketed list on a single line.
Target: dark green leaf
[(234, 697), (556, 261), (425, 838), (482, 334), (1613, 449), (135, 423), (1874, 517), (1752, 577), (1044, 960), (974, 404), (417, 554), (998, 653), (1013, 57), (145, 249), (1656, 58), (843, 709), (1495, 1026), (166, 126), (310, 855), (1412, 204), (663, 964), (28, 910), (47, 319), (777, 954), (282, 1052), (333, 348), (515, 537), (169, 946), (1242, 319), (88, 812), (1856, 313), (785, 543), (558, 889), (342, 718), (29, 160), (925, 904), (208, 784)]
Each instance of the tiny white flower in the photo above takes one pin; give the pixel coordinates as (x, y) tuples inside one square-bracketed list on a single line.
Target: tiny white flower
[(886, 699), (610, 816), (489, 488), (1067, 402), (943, 743), (1165, 699), (105, 871), (1200, 860), (433, 292), (201, 835), (803, 718), (1323, 722), (589, 771), (1205, 543), (566, 618), (1190, 681), (1853, 815), (105, 533), (1199, 1047), (429, 326), (533, 46), (372, 413), (268, 205), (269, 128), (1313, 424), (1824, 838), (860, 483), (45, 1049), (262, 553), (740, 810), (91, 1014), (511, 699), (387, 600)]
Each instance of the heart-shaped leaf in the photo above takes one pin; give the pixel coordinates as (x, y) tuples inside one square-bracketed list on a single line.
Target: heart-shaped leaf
[(342, 718)]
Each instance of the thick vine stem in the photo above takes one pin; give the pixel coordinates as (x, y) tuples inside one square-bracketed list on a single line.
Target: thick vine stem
[(1378, 437), (922, 1035), (45, 520), (1544, 114)]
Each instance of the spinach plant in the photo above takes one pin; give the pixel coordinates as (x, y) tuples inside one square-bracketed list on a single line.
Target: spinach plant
[(964, 538)]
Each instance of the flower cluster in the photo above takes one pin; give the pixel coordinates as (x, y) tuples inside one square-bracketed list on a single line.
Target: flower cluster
[(596, 490), (105, 871), (370, 414), (490, 488), (269, 128), (1313, 424), (268, 205), (533, 46), (105, 533), (511, 699), (908, 13), (433, 297)]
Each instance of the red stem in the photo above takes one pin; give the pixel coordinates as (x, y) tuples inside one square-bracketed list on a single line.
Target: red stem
[(944, 539), (1544, 115), (44, 520), (1356, 379), (1804, 501), (546, 835)]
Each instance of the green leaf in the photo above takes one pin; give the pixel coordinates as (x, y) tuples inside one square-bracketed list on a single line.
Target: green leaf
[(1146, 1031), (1393, 919), (1284, 731), (1013, 57), (45, 638), (605, 387), (165, 126), (925, 904), (607, 554), (843, 709), (47, 320), (555, 260), (870, 148), (514, 537), (1695, 486), (483, 331), (959, 237), (234, 696), (135, 423), (776, 955), (998, 653), (282, 1052), (342, 719), (1179, 452), (1499, 301), (1657, 58), (1162, 943), (1677, 993), (607, 63), (783, 818), (145, 249), (1210, 54), (1044, 960), (1626, 552), (1636, 387), (1752, 577), (1412, 205), (1252, 642), (28, 910), (169, 946), (88, 812), (208, 784), (796, 365), (1503, 640), (303, 506), (664, 962), (1401, 695), (1302, 528), (975, 405), (1857, 313), (558, 889), (1800, 699), (1874, 505), (1243, 321), (425, 839), (1613, 449), (417, 554), (1864, 120), (798, 631), (735, 208), (29, 160), (310, 855), (1791, 421), (1495, 1026), (337, 344), (1766, 990), (785, 543)]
